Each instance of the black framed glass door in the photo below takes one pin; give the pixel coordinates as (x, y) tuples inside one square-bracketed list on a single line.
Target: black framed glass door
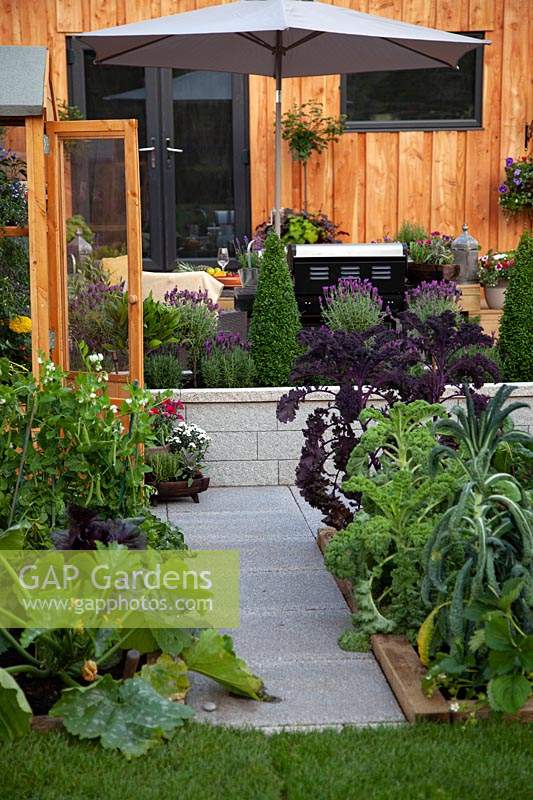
[(193, 139)]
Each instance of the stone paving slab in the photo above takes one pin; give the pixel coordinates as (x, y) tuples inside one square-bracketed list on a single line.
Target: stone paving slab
[(279, 555), (312, 516), (237, 500), (296, 636), (225, 527), (301, 590), (321, 694)]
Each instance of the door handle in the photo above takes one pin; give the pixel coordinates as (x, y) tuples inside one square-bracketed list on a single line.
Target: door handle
[(171, 149), (150, 150)]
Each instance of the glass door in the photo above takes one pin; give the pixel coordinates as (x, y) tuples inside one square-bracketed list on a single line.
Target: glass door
[(193, 151), (94, 209)]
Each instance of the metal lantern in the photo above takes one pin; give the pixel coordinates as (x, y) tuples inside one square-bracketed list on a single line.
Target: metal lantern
[(465, 253), (78, 250)]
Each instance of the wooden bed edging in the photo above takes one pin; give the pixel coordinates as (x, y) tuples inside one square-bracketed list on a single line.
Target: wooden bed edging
[(404, 671), (324, 536)]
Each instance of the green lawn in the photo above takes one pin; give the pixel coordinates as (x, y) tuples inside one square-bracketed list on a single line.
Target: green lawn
[(425, 762)]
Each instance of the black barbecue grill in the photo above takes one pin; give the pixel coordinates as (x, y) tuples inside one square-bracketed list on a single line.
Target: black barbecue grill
[(317, 265)]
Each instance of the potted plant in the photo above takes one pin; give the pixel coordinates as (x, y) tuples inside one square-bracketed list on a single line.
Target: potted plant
[(176, 469), (248, 255), (431, 259), (308, 131), (493, 275), (516, 191), (166, 416)]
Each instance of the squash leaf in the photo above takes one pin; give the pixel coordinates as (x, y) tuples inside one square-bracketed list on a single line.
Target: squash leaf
[(130, 716), (168, 676), (15, 712), (212, 655)]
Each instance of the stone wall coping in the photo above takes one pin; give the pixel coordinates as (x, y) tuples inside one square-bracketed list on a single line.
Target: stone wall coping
[(274, 393)]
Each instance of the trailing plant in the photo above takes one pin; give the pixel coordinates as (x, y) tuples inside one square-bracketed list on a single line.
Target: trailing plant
[(433, 298), (227, 362), (516, 330), (411, 232), (351, 305), (516, 191), (162, 371), (488, 532), (275, 319), (381, 551), (436, 249)]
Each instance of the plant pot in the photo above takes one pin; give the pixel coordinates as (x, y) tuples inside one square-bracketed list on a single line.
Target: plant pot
[(249, 276), (417, 273), (158, 450), (495, 295), (171, 490)]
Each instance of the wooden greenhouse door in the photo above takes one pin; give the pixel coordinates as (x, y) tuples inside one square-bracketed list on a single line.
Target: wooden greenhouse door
[(93, 183)]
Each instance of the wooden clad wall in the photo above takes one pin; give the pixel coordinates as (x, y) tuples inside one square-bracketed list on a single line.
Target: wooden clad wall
[(368, 182)]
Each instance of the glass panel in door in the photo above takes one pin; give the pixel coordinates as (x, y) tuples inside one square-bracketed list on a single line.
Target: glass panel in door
[(94, 202), (130, 93), (202, 118)]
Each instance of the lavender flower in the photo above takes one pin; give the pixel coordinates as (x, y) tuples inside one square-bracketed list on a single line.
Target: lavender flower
[(224, 340), (181, 297)]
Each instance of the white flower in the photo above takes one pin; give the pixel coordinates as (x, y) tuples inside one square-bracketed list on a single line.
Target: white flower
[(92, 395), (128, 401), (40, 360), (2, 401), (113, 408), (455, 707)]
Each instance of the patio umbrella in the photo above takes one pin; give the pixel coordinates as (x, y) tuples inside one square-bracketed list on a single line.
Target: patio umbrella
[(281, 39)]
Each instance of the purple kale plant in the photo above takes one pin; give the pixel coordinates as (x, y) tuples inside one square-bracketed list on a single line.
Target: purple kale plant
[(350, 368), (87, 529)]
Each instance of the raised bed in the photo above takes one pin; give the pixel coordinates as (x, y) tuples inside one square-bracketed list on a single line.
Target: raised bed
[(404, 671)]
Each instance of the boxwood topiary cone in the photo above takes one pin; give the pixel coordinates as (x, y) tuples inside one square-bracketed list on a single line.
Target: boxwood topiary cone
[(275, 319), (516, 328)]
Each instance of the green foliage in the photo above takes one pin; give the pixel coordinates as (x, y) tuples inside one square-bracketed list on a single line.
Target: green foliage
[(351, 305), (161, 535), (14, 299), (228, 368), (162, 371), (435, 250), (78, 222), (69, 112), (307, 130), (300, 230), (13, 200), (160, 323), (354, 642), (275, 320), (489, 532), (381, 551), (196, 323), (15, 713), (516, 327), (63, 444), (130, 716), (410, 232), (212, 654), (166, 466)]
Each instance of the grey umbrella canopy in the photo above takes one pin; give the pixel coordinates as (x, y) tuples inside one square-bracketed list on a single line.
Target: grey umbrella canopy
[(281, 39)]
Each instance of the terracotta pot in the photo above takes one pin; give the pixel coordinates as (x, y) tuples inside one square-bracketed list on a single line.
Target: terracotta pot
[(417, 273), (495, 295), (170, 490)]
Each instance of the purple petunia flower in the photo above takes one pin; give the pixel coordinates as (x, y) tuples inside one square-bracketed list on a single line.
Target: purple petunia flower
[(502, 188), (517, 181), (509, 161), (516, 172)]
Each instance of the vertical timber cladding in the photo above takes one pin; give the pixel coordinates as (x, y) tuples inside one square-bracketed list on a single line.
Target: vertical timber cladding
[(368, 182)]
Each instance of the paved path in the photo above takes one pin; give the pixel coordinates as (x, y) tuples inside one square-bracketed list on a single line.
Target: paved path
[(291, 616)]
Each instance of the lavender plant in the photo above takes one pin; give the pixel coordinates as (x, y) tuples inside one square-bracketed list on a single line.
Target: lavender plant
[(227, 362), (432, 298), (351, 305)]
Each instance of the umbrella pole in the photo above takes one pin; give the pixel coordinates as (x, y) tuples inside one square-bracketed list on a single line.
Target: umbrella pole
[(277, 194)]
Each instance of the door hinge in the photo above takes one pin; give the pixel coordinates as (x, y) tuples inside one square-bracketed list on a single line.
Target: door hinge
[(245, 155), (46, 145)]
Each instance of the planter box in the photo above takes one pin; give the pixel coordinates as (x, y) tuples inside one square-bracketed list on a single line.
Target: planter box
[(170, 490), (404, 671), (251, 448)]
